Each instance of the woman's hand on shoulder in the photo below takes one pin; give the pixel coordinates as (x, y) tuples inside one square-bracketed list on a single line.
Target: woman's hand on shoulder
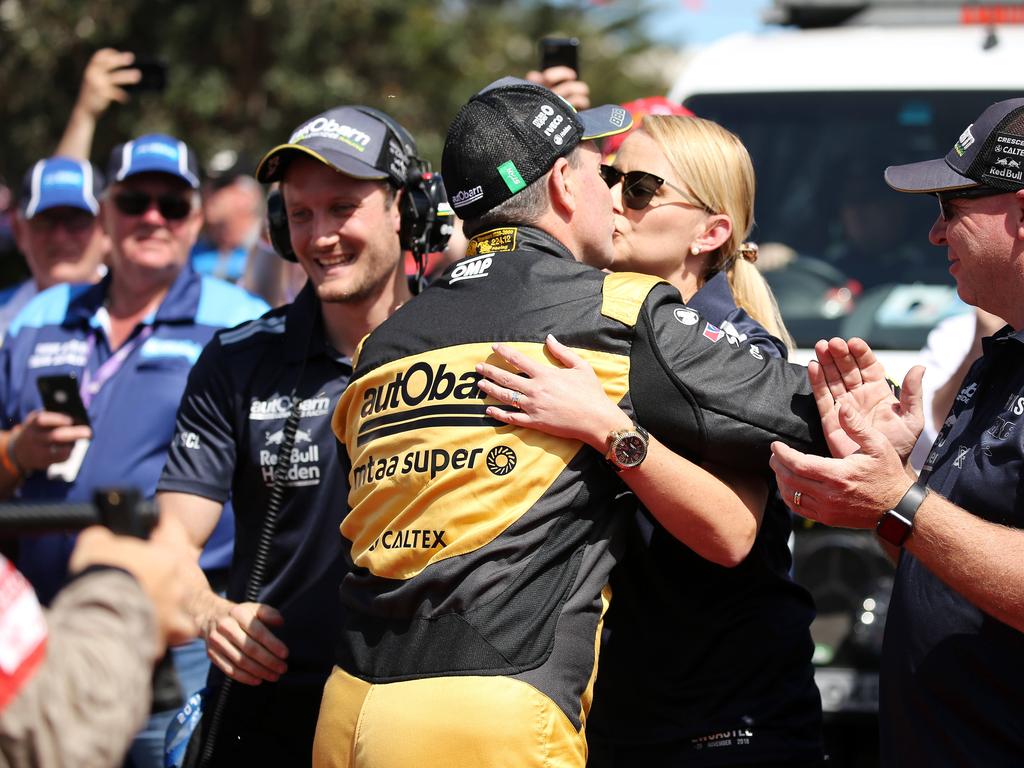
[(566, 401)]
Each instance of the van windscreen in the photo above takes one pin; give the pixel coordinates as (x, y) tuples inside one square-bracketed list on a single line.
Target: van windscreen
[(844, 253)]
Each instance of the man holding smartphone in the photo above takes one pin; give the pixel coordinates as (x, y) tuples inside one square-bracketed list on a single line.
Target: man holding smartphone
[(129, 342)]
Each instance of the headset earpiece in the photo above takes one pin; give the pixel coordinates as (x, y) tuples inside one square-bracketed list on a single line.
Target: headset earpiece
[(277, 226), (426, 215)]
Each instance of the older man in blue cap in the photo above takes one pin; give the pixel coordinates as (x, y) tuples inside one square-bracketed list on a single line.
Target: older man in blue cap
[(129, 343), (57, 230)]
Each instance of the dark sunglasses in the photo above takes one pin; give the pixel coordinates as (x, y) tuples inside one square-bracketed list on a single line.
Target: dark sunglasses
[(972, 193), (640, 187), (171, 207)]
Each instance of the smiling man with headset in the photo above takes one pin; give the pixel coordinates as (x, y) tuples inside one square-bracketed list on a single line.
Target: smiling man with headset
[(255, 422)]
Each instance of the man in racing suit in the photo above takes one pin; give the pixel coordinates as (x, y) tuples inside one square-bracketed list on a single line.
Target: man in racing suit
[(482, 551)]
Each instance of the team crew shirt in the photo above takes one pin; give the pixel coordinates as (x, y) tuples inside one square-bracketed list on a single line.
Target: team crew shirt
[(484, 550), (229, 434), (64, 331), (951, 675), (704, 665)]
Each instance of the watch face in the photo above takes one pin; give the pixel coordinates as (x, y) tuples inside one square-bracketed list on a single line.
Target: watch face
[(893, 529), (630, 450)]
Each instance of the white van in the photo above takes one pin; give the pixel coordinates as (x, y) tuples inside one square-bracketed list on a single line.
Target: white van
[(823, 111), (823, 108)]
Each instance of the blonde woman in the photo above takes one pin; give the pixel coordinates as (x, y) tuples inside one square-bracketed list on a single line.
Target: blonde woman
[(707, 661)]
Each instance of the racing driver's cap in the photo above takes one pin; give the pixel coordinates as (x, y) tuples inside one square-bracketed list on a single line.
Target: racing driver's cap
[(509, 135), (358, 141), (989, 153)]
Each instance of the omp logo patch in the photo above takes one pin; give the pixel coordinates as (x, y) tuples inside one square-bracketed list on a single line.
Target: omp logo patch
[(687, 316), (471, 269), (501, 460)]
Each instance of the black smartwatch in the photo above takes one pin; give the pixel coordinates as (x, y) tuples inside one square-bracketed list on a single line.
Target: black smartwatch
[(627, 448), (896, 525)]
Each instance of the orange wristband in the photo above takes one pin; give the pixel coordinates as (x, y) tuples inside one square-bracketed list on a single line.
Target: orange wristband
[(9, 462)]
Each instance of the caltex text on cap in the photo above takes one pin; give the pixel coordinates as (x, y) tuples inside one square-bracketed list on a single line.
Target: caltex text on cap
[(509, 135)]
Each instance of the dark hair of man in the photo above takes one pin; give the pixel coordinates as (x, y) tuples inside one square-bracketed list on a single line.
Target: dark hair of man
[(527, 207)]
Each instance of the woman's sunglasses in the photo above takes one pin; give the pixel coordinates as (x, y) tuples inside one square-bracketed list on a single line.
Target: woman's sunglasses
[(972, 193), (640, 187), (171, 207)]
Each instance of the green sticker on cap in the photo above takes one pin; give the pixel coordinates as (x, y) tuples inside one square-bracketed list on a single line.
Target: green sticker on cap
[(510, 175)]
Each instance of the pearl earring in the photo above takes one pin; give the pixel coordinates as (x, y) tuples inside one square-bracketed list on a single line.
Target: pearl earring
[(695, 249)]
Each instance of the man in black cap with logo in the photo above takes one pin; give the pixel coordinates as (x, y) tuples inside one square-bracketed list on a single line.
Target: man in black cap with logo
[(482, 551), (951, 672), (255, 419)]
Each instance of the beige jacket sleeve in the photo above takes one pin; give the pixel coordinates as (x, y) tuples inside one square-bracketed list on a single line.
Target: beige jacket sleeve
[(92, 692)]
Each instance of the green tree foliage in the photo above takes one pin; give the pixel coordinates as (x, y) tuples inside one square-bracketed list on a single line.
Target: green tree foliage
[(244, 73)]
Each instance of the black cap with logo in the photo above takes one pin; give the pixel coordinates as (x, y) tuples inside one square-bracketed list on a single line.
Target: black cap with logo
[(990, 153), (358, 141), (509, 135)]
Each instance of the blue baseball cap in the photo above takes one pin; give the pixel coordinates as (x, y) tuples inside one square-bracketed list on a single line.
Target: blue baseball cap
[(154, 153), (61, 181)]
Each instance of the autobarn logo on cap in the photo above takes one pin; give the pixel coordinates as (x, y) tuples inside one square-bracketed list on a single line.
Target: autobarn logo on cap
[(329, 128), (466, 196)]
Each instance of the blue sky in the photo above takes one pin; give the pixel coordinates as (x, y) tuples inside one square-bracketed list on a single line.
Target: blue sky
[(697, 22)]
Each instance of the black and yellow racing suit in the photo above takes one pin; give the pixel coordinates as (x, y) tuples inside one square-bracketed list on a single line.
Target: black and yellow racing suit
[(482, 551)]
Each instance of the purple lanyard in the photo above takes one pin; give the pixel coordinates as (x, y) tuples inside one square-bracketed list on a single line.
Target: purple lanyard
[(92, 383)]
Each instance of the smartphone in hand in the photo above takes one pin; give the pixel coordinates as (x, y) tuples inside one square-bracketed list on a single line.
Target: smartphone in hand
[(559, 52), (59, 394), (154, 75)]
